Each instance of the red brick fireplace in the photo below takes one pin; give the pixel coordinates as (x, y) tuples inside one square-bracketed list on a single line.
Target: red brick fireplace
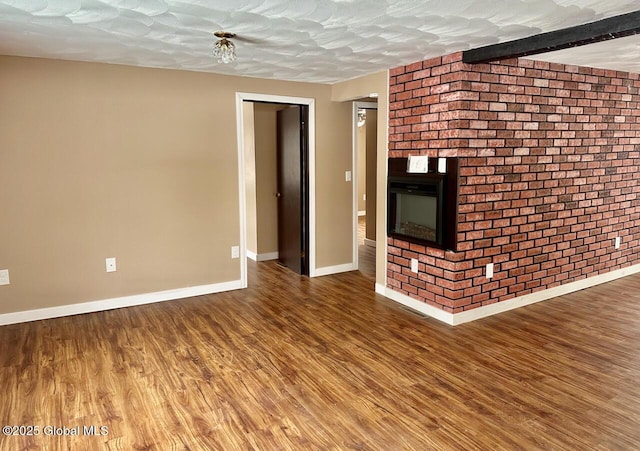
[(549, 161)]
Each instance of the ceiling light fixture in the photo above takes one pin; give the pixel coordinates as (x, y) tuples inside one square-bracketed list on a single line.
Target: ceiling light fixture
[(224, 49), (362, 117)]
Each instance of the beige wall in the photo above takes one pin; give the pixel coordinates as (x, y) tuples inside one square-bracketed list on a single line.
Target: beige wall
[(260, 141), (356, 89), (333, 194), (266, 177), (140, 164)]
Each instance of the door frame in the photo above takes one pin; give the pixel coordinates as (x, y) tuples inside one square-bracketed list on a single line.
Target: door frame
[(354, 173), (269, 98)]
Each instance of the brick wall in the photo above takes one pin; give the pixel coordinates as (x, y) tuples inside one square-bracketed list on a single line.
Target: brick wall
[(549, 175)]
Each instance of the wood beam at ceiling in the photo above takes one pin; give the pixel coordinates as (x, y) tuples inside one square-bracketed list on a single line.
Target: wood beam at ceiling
[(601, 30)]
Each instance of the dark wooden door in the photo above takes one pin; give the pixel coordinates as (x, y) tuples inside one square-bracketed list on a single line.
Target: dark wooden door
[(293, 183)]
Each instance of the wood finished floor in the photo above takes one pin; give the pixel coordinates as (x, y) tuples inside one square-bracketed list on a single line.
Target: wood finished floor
[(296, 364)]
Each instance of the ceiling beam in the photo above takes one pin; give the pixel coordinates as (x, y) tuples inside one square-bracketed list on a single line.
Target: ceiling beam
[(601, 30)]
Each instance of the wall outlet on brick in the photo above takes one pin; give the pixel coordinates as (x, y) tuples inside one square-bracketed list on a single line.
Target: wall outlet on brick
[(489, 270), (617, 245), (442, 165), (414, 265)]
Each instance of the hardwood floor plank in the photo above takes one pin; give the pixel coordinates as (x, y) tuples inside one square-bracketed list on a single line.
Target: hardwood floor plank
[(294, 363)]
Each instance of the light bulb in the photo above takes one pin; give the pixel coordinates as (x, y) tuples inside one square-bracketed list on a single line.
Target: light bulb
[(225, 51)]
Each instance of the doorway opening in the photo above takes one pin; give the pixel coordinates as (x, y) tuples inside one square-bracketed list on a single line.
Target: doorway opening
[(276, 179), (365, 148)]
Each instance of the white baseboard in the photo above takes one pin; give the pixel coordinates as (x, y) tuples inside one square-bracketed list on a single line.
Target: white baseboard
[(262, 257), (362, 213), (416, 305), (327, 270), (527, 299), (504, 306), (371, 243), (109, 304)]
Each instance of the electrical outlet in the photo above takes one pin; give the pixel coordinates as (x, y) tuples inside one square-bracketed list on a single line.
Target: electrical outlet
[(347, 176), (110, 264), (489, 270), (618, 240), (442, 165), (414, 265), (235, 251), (4, 277)]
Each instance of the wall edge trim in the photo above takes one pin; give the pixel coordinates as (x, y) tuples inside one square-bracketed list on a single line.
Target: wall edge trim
[(328, 270), (370, 243), (267, 256), (543, 295), (455, 319), (414, 304), (115, 303)]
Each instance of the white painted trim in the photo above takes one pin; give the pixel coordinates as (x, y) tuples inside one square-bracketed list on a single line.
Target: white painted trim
[(327, 270), (366, 106), (114, 303), (242, 190), (382, 166), (528, 299), (362, 213), (269, 98), (504, 306), (268, 256), (368, 242), (262, 257), (414, 304)]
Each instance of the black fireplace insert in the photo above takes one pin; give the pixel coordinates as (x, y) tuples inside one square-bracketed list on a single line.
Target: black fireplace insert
[(422, 207)]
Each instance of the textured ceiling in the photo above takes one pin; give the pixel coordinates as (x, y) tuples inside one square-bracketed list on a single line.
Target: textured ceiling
[(619, 54), (319, 41)]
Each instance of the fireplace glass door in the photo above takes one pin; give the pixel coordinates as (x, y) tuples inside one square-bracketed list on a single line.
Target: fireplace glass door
[(417, 216), (415, 210)]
